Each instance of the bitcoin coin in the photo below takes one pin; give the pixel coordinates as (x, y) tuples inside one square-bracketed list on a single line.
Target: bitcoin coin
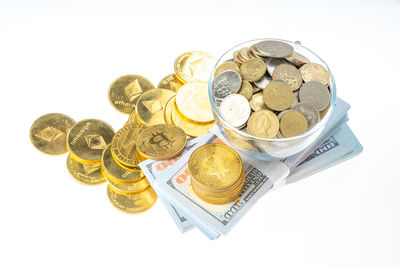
[(246, 90), (293, 123), (48, 133), (226, 66), (194, 66), (226, 83), (125, 90), (298, 59), (309, 111), (288, 73), (314, 72), (170, 82), (235, 110), (253, 69), (257, 102), (88, 174), (150, 106), (123, 145), (191, 128), (316, 94), (276, 49), (168, 110), (132, 203), (162, 141), (278, 95), (264, 124), (87, 139), (193, 102), (215, 166)]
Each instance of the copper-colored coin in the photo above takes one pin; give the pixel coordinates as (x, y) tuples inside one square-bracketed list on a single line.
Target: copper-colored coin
[(314, 72), (288, 73), (278, 95)]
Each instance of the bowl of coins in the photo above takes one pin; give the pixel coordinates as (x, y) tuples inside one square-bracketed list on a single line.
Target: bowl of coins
[(271, 98)]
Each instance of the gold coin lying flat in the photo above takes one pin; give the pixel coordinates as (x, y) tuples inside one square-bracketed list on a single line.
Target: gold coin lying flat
[(293, 123), (194, 66), (132, 203), (125, 90), (263, 123), (193, 102), (87, 139), (191, 128), (226, 66), (215, 166), (49, 133), (278, 95), (288, 73), (170, 82), (150, 106), (314, 72), (88, 174), (123, 145), (162, 141), (253, 69)]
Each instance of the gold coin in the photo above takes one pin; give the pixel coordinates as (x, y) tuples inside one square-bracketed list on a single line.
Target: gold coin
[(278, 95), (293, 123), (125, 90), (323, 112), (288, 73), (226, 66), (298, 59), (48, 133), (253, 69), (170, 82), (168, 110), (115, 172), (162, 141), (87, 139), (263, 123), (132, 203), (88, 174), (215, 166), (191, 128), (314, 72), (194, 66), (246, 90), (257, 102), (132, 118), (193, 102), (123, 145), (236, 58), (150, 106), (243, 53), (131, 187)]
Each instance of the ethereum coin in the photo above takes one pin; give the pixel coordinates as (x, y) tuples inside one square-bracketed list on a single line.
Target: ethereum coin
[(194, 66), (49, 133), (293, 123), (235, 109), (128, 188), (226, 83), (276, 49), (132, 203), (125, 90), (168, 110), (316, 94), (88, 174), (170, 82)]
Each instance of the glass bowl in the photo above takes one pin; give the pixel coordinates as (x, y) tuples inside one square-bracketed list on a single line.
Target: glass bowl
[(276, 148)]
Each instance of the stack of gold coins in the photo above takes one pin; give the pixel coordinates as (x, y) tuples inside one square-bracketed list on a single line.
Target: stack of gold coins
[(217, 173)]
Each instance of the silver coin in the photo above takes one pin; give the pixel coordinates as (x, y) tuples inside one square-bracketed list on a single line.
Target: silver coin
[(226, 83), (272, 63), (298, 59), (263, 82), (309, 111), (316, 94), (274, 49), (235, 109)]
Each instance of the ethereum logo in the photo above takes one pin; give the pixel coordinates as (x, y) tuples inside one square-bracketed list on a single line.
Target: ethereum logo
[(133, 89), (197, 66), (153, 105), (50, 134), (90, 168), (95, 141)]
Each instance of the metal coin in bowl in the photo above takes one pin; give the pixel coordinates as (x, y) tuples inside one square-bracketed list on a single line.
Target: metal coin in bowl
[(235, 109), (226, 83)]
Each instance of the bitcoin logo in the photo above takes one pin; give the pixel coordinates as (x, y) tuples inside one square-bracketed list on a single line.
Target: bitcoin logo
[(160, 139)]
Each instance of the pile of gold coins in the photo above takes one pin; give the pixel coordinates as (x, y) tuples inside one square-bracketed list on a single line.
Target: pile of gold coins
[(217, 173), (159, 124), (271, 91)]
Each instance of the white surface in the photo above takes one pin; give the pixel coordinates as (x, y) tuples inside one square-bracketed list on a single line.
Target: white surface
[(61, 57)]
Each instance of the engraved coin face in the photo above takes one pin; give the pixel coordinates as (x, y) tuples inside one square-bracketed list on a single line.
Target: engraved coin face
[(288, 73), (278, 95), (123, 145), (235, 109), (257, 102), (226, 66), (125, 90), (162, 141), (194, 66), (87, 139), (309, 111), (170, 82), (293, 123), (130, 187), (226, 83), (263, 123), (314, 72), (276, 49), (246, 90), (253, 69), (150, 106), (132, 203), (49, 133), (193, 102), (88, 174), (316, 94)]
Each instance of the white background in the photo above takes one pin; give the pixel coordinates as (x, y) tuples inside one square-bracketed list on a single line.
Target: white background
[(61, 57)]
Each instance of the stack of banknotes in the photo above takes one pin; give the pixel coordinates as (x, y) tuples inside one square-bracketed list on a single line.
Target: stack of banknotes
[(171, 178)]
